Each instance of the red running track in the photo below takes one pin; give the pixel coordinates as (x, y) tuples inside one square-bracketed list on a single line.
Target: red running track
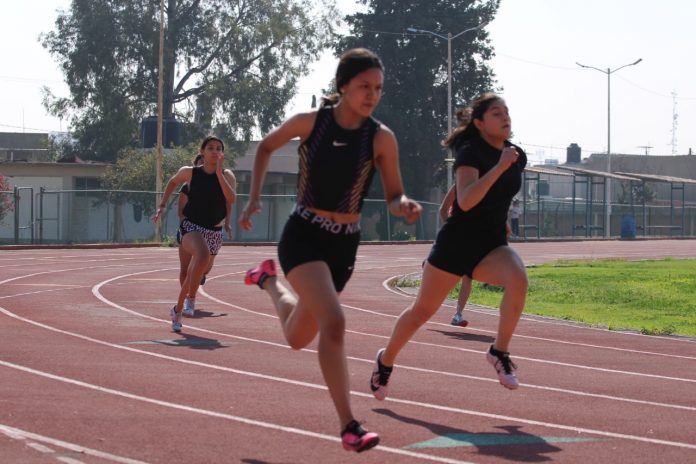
[(90, 371)]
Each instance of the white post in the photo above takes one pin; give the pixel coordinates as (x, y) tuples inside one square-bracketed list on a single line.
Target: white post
[(607, 219)]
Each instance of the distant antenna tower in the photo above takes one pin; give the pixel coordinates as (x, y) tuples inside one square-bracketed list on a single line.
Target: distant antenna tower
[(646, 148), (675, 116)]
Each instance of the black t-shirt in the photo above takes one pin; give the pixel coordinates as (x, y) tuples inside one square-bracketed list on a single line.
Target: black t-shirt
[(491, 212)]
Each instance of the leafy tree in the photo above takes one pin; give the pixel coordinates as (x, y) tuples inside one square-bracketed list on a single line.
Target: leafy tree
[(232, 65), (135, 171), (636, 194), (6, 197), (414, 104)]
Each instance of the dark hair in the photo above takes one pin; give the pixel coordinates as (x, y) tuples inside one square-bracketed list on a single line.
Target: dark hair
[(352, 63), (196, 159), (467, 129), (209, 139)]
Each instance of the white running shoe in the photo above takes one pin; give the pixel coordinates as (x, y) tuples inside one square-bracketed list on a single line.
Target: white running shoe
[(176, 320), (380, 378), (504, 367), (458, 320), (189, 306)]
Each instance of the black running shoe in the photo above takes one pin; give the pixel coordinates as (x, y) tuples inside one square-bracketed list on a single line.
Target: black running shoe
[(504, 367)]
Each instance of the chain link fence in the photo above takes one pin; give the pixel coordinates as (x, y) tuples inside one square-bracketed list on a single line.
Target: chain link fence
[(107, 216)]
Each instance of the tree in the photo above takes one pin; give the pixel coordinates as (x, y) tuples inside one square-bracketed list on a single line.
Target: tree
[(635, 194), (414, 104), (134, 172), (6, 197), (232, 65)]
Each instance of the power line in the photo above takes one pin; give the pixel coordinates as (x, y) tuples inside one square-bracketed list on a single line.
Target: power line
[(536, 63), (546, 65), (28, 128), (29, 79)]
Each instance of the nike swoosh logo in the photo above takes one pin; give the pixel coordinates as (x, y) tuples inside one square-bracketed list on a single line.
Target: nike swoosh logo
[(339, 144)]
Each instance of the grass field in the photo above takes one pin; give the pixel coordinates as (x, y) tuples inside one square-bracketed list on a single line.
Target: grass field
[(653, 297)]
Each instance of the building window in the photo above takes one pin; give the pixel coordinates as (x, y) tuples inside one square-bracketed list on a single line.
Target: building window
[(87, 183)]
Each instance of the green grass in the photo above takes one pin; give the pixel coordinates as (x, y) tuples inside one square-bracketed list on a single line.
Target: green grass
[(653, 297)]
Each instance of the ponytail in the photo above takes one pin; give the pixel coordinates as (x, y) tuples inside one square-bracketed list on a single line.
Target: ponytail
[(329, 100), (467, 130)]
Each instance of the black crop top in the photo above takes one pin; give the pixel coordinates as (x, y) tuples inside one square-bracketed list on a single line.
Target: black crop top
[(206, 203), (336, 164), (491, 212)]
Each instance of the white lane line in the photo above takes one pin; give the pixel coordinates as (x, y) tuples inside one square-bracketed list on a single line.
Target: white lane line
[(385, 284), (54, 271), (543, 361), (537, 360), (533, 386), (453, 374), (14, 433), (450, 347), (40, 448), (219, 415), (354, 393), (48, 285), (68, 460), (96, 293), (73, 287)]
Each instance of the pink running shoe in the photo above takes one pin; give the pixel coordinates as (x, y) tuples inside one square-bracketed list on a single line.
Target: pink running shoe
[(355, 438), (259, 274)]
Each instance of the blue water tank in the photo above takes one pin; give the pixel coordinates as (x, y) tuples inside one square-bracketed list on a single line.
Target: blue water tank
[(171, 132)]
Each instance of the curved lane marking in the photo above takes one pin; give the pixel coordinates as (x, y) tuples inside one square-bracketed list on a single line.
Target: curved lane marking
[(219, 415)]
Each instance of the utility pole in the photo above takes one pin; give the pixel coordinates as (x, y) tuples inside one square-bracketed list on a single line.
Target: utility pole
[(646, 148), (449, 160), (160, 104), (608, 72)]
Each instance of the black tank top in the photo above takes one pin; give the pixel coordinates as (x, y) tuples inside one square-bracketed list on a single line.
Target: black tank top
[(206, 203), (336, 164)]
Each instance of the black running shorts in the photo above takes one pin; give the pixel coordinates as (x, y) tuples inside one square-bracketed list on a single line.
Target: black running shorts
[(459, 249), (305, 239)]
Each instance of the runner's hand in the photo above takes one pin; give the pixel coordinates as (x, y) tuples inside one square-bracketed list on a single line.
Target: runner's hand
[(252, 207)]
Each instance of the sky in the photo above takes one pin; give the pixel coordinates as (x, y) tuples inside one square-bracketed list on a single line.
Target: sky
[(552, 101)]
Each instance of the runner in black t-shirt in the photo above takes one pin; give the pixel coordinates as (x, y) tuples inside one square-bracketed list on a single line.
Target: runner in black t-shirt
[(473, 241)]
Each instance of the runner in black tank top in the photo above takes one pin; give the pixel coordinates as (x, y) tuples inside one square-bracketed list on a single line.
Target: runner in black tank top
[(211, 192), (341, 148), (473, 241), (184, 256)]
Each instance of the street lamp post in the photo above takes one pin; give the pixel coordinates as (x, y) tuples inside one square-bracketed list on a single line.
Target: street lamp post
[(449, 37), (608, 72)]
